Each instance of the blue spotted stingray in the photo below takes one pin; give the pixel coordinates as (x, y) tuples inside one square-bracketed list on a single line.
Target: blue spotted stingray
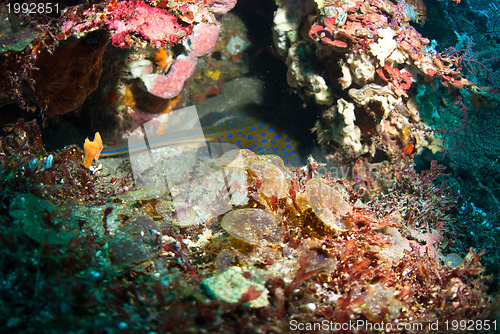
[(238, 131)]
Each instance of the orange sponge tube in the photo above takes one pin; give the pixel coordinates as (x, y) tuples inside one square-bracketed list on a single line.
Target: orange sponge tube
[(92, 150)]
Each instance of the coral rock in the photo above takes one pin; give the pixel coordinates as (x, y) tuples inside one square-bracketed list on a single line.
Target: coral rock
[(231, 285)]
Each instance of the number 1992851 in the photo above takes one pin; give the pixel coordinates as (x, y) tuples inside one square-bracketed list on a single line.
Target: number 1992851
[(33, 8)]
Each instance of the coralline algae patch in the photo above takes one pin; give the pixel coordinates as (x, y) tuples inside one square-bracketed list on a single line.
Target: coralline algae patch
[(245, 132)]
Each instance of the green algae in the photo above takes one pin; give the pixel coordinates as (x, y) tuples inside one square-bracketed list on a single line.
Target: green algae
[(42, 220)]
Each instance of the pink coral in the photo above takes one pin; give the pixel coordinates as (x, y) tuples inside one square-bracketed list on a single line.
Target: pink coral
[(400, 81), (201, 43), (327, 36), (170, 85), (152, 23), (203, 39)]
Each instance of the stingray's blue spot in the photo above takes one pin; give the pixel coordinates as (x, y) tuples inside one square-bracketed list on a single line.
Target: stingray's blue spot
[(250, 136), (296, 158), (287, 140), (239, 132), (243, 135), (276, 137), (260, 149), (221, 137), (263, 134), (252, 128), (238, 141), (230, 135), (260, 127), (254, 146), (271, 129), (275, 148), (234, 126), (288, 146), (267, 150), (228, 123), (273, 141), (228, 129), (264, 140), (251, 124), (219, 117), (292, 152), (239, 145)]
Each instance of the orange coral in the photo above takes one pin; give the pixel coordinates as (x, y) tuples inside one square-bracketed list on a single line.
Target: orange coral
[(161, 58), (92, 150)]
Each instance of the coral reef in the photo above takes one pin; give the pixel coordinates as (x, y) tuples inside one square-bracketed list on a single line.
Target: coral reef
[(373, 57), (227, 216), (47, 41), (386, 92), (303, 249)]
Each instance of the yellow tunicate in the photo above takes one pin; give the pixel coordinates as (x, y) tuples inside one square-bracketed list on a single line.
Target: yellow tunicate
[(272, 179), (128, 97), (254, 226), (328, 204), (245, 168)]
